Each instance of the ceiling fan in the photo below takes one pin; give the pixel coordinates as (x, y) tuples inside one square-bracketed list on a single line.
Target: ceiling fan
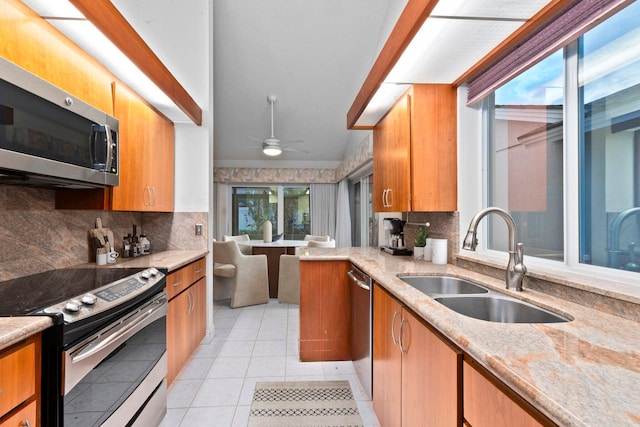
[(272, 146)]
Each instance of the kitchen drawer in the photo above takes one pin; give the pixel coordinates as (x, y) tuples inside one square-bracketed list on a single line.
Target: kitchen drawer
[(178, 281), (199, 268), (182, 278), (25, 416), (17, 375)]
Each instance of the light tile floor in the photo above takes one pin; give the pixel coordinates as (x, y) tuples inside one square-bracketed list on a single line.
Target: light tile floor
[(250, 344)]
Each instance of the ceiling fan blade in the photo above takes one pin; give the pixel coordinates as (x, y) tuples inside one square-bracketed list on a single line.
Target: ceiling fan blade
[(296, 150), (292, 141), (257, 139)]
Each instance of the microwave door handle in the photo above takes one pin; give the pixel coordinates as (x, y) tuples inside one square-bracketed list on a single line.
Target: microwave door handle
[(109, 161), (96, 131)]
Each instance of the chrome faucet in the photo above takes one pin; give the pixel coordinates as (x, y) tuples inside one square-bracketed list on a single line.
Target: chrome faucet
[(515, 268)]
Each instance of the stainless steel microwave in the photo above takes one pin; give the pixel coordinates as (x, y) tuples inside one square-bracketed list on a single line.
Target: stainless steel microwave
[(49, 138)]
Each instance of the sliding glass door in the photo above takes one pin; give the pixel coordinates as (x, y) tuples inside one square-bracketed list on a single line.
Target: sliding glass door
[(286, 207)]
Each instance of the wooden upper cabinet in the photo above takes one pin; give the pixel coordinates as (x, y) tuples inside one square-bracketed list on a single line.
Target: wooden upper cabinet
[(146, 156), (391, 160), (35, 45), (146, 152), (434, 155), (415, 152)]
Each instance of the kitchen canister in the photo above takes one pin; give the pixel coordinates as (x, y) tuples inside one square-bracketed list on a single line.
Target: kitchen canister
[(439, 251), (266, 231), (428, 250)]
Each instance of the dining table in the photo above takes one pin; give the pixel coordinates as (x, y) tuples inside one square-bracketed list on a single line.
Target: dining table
[(273, 250)]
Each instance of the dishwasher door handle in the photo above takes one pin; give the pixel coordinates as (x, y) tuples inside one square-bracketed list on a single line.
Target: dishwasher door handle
[(357, 281)]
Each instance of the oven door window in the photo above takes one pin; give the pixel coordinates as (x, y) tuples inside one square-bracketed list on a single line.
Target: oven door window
[(109, 383)]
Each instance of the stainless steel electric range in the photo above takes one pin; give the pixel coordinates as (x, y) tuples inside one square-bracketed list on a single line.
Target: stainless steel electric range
[(104, 360)]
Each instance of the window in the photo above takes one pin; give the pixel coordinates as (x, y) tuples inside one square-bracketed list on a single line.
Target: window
[(563, 150), (286, 207), (609, 91), (525, 150)]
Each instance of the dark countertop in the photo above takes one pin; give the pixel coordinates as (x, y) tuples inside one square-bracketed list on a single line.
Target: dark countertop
[(15, 329)]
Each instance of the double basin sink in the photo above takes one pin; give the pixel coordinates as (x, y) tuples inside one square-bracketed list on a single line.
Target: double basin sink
[(473, 300)]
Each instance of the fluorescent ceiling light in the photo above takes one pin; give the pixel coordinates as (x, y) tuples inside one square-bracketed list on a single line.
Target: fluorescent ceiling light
[(386, 95), (69, 21)]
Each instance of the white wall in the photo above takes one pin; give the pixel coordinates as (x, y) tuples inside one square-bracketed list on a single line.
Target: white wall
[(192, 165), (470, 161)]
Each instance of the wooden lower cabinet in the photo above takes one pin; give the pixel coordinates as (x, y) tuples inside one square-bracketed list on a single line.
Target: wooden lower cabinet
[(387, 358), (416, 374), (186, 316), (20, 375), (25, 416), (487, 403), (325, 311)]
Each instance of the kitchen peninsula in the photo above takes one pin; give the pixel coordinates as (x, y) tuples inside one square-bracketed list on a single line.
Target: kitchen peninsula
[(579, 373)]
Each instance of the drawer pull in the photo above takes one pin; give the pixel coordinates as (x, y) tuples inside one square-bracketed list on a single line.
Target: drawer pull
[(25, 423), (177, 283)]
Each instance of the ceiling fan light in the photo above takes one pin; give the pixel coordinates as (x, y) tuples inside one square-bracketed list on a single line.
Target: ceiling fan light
[(272, 150)]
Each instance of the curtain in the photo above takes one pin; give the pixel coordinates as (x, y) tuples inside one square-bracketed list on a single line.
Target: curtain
[(569, 24), (323, 209), (343, 219)]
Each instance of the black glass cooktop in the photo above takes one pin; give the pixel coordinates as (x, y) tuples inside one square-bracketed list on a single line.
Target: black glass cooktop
[(25, 295)]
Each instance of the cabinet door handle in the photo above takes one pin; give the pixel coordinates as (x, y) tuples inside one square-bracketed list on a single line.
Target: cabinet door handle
[(393, 328), (384, 198), (147, 195), (25, 423), (155, 196), (389, 203), (402, 323), (193, 301)]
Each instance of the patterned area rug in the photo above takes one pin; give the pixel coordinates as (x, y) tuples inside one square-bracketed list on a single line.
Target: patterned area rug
[(304, 403)]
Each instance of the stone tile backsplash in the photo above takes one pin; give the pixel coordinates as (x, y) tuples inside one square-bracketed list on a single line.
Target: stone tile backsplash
[(35, 237), (443, 225)]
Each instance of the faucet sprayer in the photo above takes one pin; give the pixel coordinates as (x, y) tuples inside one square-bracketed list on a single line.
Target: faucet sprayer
[(516, 269)]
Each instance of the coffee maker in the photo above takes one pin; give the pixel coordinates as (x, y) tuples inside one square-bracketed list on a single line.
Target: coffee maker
[(394, 237)]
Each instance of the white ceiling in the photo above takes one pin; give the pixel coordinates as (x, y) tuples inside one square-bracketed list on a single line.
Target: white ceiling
[(314, 56)]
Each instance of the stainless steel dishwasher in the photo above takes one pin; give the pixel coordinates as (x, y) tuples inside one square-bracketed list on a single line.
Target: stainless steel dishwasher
[(361, 325)]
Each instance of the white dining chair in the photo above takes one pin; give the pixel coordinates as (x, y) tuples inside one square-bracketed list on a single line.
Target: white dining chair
[(245, 249), (248, 274), (328, 244), (310, 237), (289, 279)]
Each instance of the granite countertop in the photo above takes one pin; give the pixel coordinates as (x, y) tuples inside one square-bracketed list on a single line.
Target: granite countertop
[(585, 372), (171, 260), (14, 329)]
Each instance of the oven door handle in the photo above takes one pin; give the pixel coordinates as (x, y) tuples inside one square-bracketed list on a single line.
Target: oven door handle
[(129, 329)]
